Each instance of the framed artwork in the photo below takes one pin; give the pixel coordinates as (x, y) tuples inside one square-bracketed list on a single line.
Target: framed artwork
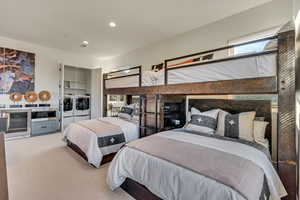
[(16, 71)]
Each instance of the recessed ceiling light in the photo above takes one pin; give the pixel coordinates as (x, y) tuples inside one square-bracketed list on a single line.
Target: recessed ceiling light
[(112, 24), (84, 44)]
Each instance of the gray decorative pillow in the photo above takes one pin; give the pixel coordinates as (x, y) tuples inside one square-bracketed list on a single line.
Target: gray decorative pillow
[(126, 112), (205, 122), (239, 126)]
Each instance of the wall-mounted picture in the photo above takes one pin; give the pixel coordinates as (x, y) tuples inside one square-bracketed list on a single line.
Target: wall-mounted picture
[(16, 71)]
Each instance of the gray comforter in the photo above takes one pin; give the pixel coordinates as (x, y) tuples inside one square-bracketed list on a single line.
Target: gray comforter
[(180, 165), (222, 167)]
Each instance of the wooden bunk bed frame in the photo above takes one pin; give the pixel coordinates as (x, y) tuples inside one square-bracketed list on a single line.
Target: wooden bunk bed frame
[(282, 85)]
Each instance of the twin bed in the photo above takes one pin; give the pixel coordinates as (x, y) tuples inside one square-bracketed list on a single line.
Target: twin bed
[(184, 163), (98, 140)]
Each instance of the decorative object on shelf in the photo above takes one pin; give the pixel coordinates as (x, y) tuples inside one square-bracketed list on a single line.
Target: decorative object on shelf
[(17, 71), (15, 97), (30, 96), (44, 95)]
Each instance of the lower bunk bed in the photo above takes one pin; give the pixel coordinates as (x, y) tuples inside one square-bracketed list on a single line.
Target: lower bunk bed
[(176, 165), (215, 156)]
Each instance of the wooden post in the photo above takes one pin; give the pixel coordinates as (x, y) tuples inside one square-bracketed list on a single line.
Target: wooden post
[(286, 119), (104, 100)]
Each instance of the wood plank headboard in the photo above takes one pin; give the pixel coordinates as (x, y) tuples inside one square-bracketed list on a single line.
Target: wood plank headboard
[(234, 106)]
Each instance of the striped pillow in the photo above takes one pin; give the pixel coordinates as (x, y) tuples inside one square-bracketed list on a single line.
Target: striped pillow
[(205, 122), (239, 126)]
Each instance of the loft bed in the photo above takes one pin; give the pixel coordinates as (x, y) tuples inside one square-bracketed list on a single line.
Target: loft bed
[(277, 77), (207, 66)]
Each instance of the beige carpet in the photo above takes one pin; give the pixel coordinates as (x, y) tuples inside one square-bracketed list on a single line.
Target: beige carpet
[(43, 168)]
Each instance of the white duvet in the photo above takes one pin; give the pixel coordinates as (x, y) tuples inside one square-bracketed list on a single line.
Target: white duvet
[(169, 181), (87, 140)]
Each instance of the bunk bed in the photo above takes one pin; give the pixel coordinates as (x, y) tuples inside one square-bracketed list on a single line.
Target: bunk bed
[(270, 72), (221, 67)]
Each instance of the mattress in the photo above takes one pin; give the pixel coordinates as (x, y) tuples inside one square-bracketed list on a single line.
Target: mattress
[(250, 67)]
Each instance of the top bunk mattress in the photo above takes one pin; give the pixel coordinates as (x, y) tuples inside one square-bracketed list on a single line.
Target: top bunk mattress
[(250, 67)]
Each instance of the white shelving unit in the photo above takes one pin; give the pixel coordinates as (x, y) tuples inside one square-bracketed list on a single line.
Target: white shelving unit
[(76, 81)]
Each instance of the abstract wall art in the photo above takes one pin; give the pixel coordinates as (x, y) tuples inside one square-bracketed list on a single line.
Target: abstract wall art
[(16, 71)]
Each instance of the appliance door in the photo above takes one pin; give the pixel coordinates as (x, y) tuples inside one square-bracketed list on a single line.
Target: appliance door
[(15, 123), (43, 115), (82, 103), (68, 104), (82, 106)]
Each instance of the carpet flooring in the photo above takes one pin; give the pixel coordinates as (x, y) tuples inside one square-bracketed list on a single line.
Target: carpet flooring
[(43, 168)]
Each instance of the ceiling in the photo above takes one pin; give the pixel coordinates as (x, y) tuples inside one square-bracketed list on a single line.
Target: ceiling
[(64, 24)]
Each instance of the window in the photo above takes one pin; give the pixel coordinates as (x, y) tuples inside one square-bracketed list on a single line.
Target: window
[(250, 48), (253, 47)]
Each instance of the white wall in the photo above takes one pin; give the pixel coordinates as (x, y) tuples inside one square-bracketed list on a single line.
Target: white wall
[(46, 70), (214, 35), (296, 9)]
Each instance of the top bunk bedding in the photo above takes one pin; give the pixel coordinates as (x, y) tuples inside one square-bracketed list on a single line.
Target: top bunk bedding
[(241, 68), (249, 67), (208, 66)]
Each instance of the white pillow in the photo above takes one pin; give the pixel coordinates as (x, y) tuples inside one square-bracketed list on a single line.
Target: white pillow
[(195, 111), (239, 126), (203, 122), (259, 130)]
